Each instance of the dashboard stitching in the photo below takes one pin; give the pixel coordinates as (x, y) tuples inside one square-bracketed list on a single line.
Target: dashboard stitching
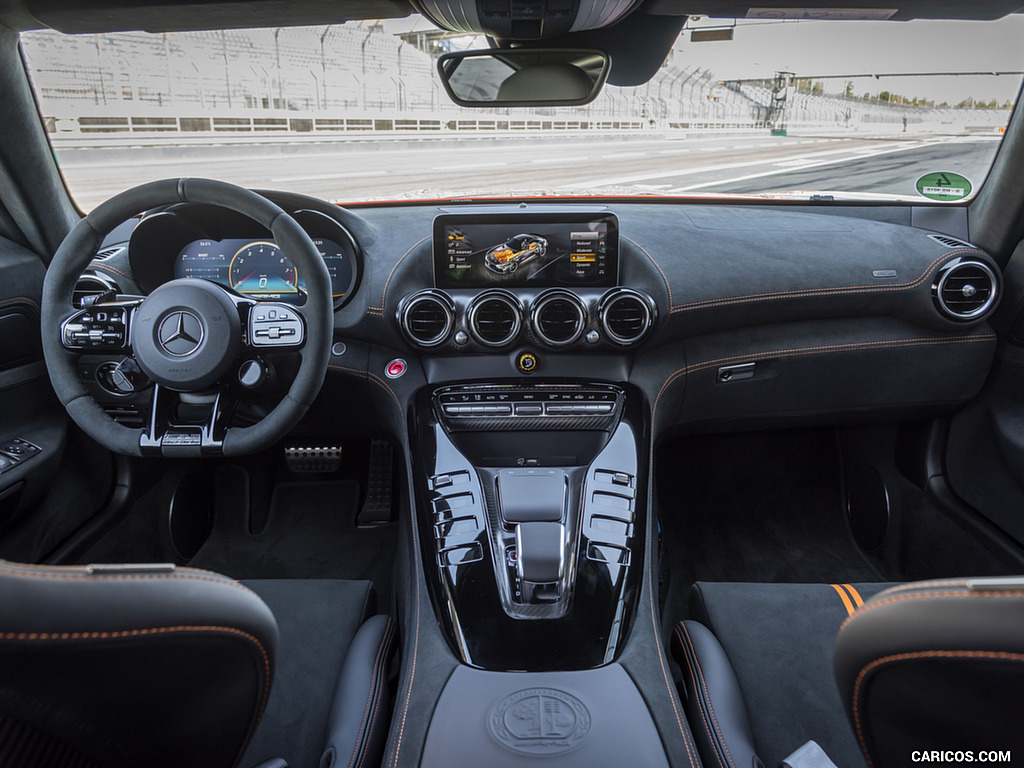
[(376, 380), (384, 295), (668, 286), (802, 351), (108, 268), (814, 292), (20, 300)]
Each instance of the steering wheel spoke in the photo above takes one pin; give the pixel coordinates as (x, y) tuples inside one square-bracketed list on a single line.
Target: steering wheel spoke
[(100, 328), (173, 433)]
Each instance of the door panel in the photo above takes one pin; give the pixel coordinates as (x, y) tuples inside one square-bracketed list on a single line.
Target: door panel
[(985, 455), (30, 470)]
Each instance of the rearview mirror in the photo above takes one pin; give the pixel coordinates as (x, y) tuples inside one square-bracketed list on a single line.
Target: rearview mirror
[(523, 77)]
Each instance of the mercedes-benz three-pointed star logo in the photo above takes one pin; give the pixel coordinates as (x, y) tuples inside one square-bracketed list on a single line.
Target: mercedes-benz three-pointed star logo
[(180, 333)]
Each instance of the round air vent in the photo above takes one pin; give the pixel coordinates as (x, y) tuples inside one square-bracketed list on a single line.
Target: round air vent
[(558, 318), (428, 318), (494, 318), (90, 285), (626, 316), (965, 290)]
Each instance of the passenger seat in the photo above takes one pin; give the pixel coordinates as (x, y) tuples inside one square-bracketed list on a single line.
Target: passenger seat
[(932, 666)]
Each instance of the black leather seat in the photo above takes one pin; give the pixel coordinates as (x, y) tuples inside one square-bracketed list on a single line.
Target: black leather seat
[(112, 666), (934, 666)]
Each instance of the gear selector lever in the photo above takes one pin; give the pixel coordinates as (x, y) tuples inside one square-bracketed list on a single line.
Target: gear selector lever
[(534, 501)]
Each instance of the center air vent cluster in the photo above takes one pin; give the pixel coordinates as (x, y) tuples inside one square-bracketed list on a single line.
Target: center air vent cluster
[(965, 290), (556, 318)]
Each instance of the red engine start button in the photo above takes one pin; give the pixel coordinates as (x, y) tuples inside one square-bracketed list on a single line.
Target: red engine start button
[(395, 368)]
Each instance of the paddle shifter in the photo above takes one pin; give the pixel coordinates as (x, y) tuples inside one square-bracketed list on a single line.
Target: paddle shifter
[(534, 502)]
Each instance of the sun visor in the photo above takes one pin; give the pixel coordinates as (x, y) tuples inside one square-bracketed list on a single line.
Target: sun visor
[(840, 10), (94, 16), (525, 19)]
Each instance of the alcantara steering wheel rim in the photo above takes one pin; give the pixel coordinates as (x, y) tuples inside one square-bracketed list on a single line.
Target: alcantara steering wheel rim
[(79, 248)]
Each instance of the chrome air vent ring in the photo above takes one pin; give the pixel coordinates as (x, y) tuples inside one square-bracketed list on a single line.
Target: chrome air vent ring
[(626, 316), (558, 318), (495, 318), (427, 318), (965, 290)]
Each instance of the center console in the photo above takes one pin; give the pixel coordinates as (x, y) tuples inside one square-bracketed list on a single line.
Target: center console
[(532, 513), (531, 493)]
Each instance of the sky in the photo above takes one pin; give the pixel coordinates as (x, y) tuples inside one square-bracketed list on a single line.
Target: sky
[(810, 48), (759, 49)]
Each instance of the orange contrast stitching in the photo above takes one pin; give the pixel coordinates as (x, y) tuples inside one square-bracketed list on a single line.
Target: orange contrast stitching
[(109, 268), (390, 634), (668, 286), (877, 604), (376, 380), (707, 694), (20, 300), (804, 351), (384, 295), (661, 660), (151, 631), (993, 655), (85, 576), (813, 292)]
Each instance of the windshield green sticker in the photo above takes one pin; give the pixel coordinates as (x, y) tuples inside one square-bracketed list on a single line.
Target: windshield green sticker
[(944, 186)]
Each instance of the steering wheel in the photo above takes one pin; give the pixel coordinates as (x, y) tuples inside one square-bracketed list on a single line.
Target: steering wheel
[(193, 339)]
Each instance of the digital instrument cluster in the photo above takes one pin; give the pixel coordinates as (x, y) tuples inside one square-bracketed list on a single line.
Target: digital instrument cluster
[(259, 269)]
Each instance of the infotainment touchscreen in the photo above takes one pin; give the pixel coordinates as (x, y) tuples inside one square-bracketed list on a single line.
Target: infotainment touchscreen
[(529, 249)]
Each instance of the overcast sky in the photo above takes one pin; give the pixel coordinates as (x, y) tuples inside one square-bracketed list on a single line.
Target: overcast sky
[(759, 49), (846, 47)]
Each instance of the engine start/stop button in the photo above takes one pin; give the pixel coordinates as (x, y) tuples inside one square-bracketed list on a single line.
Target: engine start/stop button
[(395, 368)]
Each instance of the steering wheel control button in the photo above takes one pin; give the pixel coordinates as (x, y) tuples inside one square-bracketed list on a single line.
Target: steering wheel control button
[(526, 362), (396, 368), (275, 326), (96, 331)]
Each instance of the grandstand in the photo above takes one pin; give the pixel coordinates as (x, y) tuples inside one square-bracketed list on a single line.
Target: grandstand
[(360, 77)]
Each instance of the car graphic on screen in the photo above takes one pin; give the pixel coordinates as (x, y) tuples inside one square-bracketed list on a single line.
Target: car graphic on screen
[(514, 252)]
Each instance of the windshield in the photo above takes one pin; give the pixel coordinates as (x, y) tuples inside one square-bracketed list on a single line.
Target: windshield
[(824, 110)]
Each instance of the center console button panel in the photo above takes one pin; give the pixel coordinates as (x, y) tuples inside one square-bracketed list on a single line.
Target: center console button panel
[(528, 406), (530, 507)]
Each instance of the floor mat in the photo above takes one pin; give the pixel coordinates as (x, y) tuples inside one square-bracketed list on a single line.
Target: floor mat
[(310, 532), (754, 507)]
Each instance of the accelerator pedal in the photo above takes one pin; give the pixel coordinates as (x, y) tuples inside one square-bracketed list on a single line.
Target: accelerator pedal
[(319, 459), (379, 486)]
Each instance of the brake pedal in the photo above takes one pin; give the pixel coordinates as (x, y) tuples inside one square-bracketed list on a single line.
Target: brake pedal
[(320, 459), (379, 493)]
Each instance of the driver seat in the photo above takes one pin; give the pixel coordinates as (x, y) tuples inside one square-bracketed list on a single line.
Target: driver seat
[(118, 666)]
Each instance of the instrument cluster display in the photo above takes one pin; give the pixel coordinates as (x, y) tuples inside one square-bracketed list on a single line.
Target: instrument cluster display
[(259, 269)]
